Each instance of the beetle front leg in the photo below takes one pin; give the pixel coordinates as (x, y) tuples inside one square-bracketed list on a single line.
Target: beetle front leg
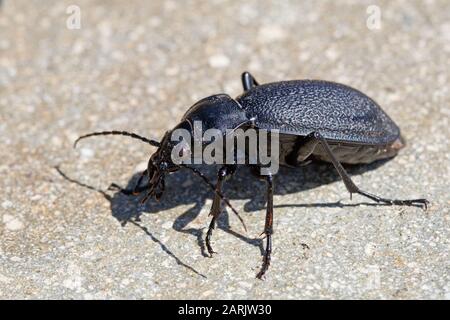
[(222, 175), (137, 187), (248, 81), (352, 188)]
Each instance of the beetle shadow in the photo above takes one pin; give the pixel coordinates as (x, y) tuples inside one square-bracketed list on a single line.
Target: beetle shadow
[(135, 222), (184, 188)]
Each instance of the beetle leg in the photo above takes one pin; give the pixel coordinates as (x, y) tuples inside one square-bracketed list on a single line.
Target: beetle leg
[(248, 81), (268, 229), (223, 173), (352, 188), (137, 187)]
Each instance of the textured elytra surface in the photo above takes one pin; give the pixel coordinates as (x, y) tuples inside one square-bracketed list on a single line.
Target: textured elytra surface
[(335, 110)]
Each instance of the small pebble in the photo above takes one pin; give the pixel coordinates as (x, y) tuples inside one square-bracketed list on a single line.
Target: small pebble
[(219, 61), (12, 223)]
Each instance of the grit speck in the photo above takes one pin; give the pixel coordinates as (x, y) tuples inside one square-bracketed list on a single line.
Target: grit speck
[(12, 223), (219, 61)]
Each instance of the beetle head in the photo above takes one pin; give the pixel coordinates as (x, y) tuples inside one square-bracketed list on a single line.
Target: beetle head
[(160, 164), (161, 160)]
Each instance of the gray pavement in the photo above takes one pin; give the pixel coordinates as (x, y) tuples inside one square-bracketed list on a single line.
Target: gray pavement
[(138, 65)]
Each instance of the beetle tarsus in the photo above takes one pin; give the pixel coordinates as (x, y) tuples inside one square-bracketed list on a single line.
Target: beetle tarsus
[(410, 202), (265, 266), (266, 258), (129, 192), (208, 238), (114, 187)]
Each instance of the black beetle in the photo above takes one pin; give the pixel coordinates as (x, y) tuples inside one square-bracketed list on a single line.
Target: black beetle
[(317, 121)]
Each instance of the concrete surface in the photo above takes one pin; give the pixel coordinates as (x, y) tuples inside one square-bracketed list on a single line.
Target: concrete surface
[(138, 65)]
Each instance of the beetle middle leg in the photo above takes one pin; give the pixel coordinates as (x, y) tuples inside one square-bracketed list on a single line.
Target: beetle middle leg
[(248, 81), (315, 138), (222, 175), (268, 228)]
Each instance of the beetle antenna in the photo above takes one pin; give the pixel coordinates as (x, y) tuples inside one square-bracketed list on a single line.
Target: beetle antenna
[(205, 179), (121, 133)]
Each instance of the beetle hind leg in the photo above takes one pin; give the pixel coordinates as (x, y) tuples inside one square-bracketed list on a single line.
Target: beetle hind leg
[(409, 202), (352, 188)]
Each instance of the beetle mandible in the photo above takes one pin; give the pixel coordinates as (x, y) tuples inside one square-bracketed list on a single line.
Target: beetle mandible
[(317, 121)]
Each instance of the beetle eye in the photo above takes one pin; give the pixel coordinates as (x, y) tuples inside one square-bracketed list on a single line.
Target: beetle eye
[(163, 165)]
